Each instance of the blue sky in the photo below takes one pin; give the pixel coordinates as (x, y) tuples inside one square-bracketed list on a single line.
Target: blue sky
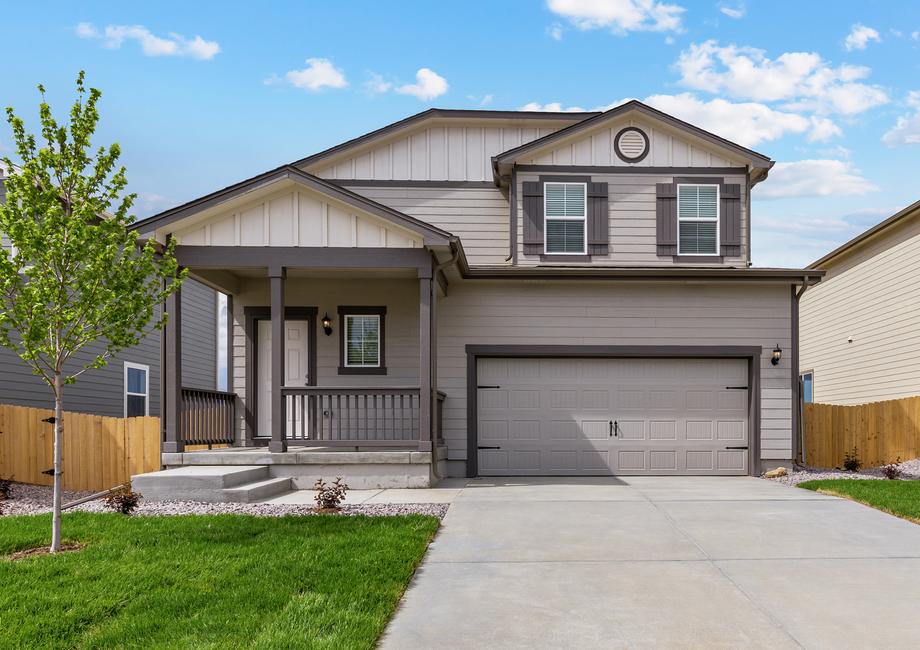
[(200, 97)]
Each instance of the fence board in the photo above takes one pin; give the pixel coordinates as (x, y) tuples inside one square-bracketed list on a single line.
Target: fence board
[(99, 452), (880, 432)]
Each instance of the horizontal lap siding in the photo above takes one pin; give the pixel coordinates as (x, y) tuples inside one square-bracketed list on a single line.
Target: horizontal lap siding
[(872, 296), (479, 216), (631, 206), (601, 313), (199, 336)]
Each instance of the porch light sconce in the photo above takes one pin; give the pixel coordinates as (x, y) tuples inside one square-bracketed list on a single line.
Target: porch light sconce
[(777, 355), (327, 324)]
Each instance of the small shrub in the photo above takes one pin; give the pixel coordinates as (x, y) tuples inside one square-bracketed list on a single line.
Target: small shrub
[(851, 462), (124, 500), (891, 471), (329, 496), (5, 488)]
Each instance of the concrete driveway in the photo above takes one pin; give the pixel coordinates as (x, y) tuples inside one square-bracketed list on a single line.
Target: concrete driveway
[(661, 562)]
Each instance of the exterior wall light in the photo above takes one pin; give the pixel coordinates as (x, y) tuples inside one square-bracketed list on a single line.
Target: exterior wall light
[(327, 324), (777, 355)]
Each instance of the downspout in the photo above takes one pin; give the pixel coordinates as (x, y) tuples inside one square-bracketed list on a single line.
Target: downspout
[(439, 268), (798, 450)]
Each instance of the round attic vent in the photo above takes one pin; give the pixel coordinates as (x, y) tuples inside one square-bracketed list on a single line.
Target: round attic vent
[(631, 144)]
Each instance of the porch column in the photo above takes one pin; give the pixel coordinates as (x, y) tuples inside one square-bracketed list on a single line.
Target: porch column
[(276, 276), (424, 359), (171, 370)]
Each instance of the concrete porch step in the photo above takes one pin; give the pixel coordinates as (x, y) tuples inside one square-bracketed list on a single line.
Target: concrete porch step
[(198, 482), (258, 490)]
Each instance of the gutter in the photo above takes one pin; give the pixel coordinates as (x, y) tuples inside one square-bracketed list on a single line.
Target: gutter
[(798, 435)]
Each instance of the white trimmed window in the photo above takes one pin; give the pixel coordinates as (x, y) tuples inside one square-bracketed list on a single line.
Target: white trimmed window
[(697, 219), (137, 389), (565, 228), (362, 341)]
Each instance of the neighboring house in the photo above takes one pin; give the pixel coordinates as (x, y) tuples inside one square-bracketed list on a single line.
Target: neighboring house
[(130, 383), (527, 293), (860, 328)]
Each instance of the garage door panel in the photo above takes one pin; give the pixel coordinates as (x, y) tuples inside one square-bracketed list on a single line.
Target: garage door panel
[(553, 416)]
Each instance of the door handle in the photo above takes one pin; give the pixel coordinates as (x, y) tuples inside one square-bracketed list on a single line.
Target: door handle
[(614, 429)]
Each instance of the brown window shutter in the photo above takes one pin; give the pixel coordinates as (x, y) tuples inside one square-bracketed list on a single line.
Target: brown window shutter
[(666, 218), (533, 217), (730, 220), (598, 219)]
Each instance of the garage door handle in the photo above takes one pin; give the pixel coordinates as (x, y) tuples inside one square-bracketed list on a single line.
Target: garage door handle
[(481, 447), (614, 429)]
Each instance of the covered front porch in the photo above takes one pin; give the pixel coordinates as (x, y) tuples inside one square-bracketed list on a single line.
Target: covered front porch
[(331, 342)]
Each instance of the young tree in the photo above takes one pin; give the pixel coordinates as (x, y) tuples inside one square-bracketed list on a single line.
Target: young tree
[(74, 273)]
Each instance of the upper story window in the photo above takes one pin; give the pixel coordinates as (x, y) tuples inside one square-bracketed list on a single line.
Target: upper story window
[(137, 389), (565, 212), (697, 219)]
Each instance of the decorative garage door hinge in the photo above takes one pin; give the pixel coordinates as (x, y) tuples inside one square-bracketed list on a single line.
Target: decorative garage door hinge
[(736, 388), (736, 447), (488, 387), (481, 447)]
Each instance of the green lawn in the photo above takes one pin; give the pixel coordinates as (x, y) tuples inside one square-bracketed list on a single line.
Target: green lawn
[(221, 581), (901, 498)]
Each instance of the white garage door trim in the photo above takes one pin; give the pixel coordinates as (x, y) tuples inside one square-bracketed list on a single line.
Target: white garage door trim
[(751, 354)]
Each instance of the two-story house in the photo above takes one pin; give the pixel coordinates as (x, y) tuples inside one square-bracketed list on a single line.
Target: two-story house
[(498, 293)]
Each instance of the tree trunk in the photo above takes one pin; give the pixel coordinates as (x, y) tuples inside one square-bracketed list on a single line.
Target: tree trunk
[(58, 462)]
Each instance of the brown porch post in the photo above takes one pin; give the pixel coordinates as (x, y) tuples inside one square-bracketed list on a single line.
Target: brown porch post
[(171, 368), (424, 359), (276, 276), (435, 421)]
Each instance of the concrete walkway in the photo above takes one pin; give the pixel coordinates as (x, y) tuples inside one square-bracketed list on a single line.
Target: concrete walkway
[(661, 562)]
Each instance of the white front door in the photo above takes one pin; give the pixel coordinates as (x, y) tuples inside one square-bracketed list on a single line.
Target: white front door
[(296, 369)]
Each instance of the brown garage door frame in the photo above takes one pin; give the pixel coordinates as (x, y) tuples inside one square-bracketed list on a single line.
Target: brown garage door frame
[(751, 353)]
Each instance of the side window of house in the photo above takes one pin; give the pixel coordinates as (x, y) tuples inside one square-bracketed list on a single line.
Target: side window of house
[(137, 389), (697, 219), (808, 387), (566, 218), (362, 340)]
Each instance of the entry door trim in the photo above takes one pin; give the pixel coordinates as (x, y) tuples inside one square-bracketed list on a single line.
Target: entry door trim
[(751, 353), (252, 316)]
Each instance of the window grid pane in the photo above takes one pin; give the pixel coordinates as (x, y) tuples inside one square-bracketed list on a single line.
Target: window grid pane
[(137, 381), (565, 236), (362, 344), (136, 406), (565, 200), (698, 202), (697, 238)]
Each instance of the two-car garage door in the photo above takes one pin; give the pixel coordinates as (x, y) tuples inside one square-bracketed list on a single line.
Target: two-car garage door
[(555, 416)]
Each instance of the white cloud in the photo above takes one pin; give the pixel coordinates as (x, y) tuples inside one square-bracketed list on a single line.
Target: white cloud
[(823, 177), (859, 37), (907, 128), (113, 36), (377, 84), (620, 16), (802, 79), (746, 123), (915, 35), (319, 74), (735, 11), (486, 100), (428, 85), (554, 31)]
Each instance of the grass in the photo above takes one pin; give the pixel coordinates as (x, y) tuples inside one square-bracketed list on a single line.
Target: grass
[(218, 581), (899, 498)]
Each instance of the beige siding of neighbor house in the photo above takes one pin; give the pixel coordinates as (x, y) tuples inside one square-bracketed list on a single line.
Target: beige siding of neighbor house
[(606, 313), (399, 295), (631, 206), (479, 216), (668, 147), (457, 152), (295, 218), (871, 294)]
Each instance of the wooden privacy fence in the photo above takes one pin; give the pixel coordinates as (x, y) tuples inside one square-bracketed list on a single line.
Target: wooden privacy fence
[(881, 432), (99, 452)]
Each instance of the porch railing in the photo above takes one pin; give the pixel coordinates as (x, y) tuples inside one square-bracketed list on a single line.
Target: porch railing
[(318, 415), (207, 417)]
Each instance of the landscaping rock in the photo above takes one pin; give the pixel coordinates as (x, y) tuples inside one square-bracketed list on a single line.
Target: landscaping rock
[(776, 473), (910, 471)]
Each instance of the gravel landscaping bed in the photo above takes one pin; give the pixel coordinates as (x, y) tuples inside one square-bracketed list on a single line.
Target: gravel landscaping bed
[(910, 471), (36, 499)]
